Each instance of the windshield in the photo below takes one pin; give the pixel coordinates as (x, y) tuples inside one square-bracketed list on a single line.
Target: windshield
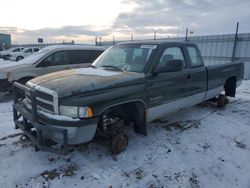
[(131, 57)]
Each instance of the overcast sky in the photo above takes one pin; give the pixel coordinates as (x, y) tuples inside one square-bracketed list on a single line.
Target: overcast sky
[(83, 20)]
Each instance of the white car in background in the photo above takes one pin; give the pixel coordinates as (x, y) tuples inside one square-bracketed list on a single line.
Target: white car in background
[(49, 59), (17, 56), (5, 54)]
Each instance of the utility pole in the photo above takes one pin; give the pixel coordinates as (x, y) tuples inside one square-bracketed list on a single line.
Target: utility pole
[(96, 43), (154, 35), (235, 42), (186, 34), (113, 39), (132, 37)]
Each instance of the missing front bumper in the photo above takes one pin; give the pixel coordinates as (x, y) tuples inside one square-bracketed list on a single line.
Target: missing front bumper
[(43, 132)]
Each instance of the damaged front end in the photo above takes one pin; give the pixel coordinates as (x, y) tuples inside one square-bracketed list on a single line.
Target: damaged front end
[(37, 116)]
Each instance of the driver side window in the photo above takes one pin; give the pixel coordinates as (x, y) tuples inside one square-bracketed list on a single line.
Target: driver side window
[(171, 53)]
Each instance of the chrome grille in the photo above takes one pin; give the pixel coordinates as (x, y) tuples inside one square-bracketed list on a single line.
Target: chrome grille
[(47, 100)]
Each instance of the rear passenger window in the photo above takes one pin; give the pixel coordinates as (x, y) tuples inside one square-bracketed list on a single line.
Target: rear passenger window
[(36, 49), (171, 53), (84, 56), (194, 57)]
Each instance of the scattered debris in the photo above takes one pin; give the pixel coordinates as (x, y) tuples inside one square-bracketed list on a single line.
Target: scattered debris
[(221, 159), (240, 144), (70, 170), (205, 146), (50, 175), (194, 183), (67, 171), (11, 136), (139, 174)]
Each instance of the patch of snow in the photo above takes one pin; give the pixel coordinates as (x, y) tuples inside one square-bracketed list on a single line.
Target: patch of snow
[(96, 72)]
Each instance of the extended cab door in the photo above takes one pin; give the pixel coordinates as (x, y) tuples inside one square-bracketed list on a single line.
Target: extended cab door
[(197, 73), (166, 90)]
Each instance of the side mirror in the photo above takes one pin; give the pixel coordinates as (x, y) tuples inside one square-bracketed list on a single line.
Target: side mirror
[(170, 66)]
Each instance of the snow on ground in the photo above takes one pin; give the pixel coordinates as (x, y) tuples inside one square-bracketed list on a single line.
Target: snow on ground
[(201, 146)]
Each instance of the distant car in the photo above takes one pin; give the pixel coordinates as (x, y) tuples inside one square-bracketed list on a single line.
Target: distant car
[(5, 54), (49, 59), (17, 56)]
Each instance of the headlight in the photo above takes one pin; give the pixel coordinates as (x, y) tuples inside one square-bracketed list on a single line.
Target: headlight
[(74, 111), (85, 112)]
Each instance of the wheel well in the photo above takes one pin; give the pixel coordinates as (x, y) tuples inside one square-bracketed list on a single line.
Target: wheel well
[(230, 86), (19, 57), (133, 112)]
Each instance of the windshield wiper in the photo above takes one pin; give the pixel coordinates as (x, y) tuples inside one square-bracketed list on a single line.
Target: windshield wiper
[(113, 67)]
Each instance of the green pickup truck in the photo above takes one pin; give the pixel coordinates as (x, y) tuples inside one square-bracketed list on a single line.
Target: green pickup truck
[(129, 84)]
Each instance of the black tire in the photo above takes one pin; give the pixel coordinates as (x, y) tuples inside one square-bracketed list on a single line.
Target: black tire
[(222, 101), (119, 143), (6, 57), (19, 58)]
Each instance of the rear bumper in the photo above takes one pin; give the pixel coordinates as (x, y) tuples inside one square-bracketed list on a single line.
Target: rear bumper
[(45, 132), (5, 85)]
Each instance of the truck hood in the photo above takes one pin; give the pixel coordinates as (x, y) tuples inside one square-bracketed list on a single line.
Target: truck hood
[(84, 80)]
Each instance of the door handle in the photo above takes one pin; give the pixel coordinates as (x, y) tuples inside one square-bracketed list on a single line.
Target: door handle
[(188, 76)]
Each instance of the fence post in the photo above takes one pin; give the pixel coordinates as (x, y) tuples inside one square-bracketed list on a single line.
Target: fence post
[(186, 34), (235, 42)]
